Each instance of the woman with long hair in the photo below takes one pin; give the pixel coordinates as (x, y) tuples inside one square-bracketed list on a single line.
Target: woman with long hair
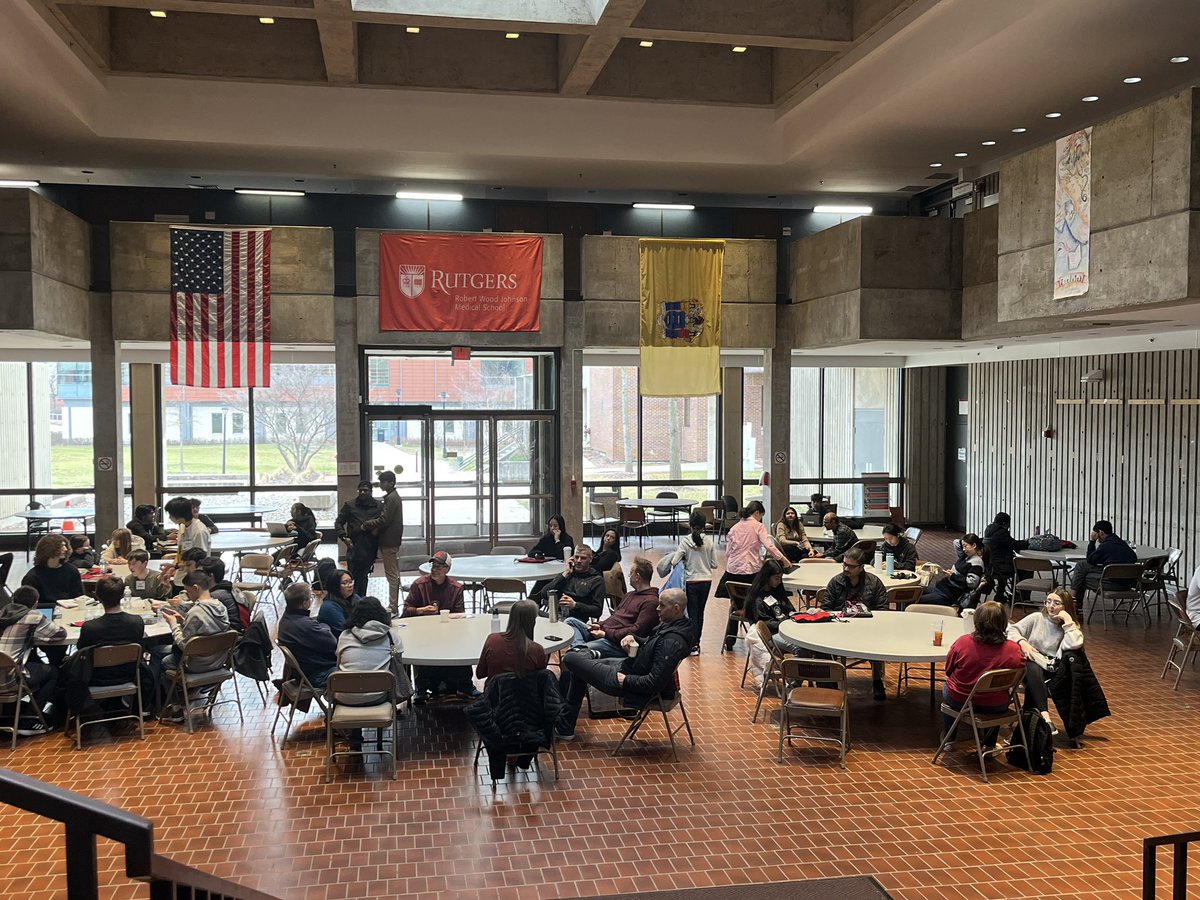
[(767, 601), (368, 645), (698, 554), (792, 538), (1043, 636), (121, 543), (962, 581), (747, 541), (550, 546), (986, 648), (303, 524), (514, 649), (608, 554), (340, 600)]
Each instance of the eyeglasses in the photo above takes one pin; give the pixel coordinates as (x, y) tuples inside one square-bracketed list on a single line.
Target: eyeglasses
[(850, 565), (345, 581)]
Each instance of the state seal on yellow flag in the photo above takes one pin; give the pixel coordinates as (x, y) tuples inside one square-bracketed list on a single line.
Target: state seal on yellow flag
[(681, 317)]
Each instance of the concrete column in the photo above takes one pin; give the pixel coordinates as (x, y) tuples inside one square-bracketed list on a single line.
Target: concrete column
[(732, 404), (143, 432), (106, 417), (351, 467), (570, 419), (778, 418)]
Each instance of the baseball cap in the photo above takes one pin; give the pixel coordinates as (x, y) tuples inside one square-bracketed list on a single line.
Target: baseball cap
[(442, 558)]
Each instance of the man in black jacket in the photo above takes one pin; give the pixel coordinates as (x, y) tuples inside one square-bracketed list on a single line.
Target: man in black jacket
[(843, 537), (1001, 549), (852, 585), (144, 526), (362, 546), (580, 588), (635, 679), (1104, 549), (388, 527), (310, 641)]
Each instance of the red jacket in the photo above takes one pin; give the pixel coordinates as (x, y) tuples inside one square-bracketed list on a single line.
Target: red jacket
[(426, 592), (637, 613), (969, 658)]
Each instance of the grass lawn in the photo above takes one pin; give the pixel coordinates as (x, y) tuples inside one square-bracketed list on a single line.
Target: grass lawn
[(72, 465)]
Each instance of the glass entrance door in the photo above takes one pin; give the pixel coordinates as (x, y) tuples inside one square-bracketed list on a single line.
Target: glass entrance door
[(402, 445)]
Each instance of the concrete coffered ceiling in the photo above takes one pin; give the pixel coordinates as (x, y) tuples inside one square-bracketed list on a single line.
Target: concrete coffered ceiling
[(831, 98)]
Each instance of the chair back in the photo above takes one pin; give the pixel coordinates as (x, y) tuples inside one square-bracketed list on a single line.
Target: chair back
[(380, 681), (108, 655), (996, 680), (710, 514), (730, 503), (632, 515), (596, 510), (932, 609), (1126, 575), (504, 586), (283, 555), (6, 564), (738, 592), (310, 550), (10, 678), (867, 547), (209, 646), (507, 550), (896, 513), (912, 533), (1033, 565), (768, 641), (668, 494), (905, 596), (803, 669), (257, 561), (1178, 605)]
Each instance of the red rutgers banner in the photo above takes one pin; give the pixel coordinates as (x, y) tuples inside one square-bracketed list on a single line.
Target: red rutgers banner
[(451, 282)]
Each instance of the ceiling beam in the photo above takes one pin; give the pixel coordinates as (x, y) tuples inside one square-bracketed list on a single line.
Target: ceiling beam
[(576, 78), (339, 40), (743, 40)]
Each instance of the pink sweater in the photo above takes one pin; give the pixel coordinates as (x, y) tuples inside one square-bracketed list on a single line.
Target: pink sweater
[(743, 552)]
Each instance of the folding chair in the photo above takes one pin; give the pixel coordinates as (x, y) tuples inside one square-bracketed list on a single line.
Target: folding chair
[(343, 717), (900, 597), (665, 514), (599, 519), (660, 704), (295, 690), (931, 609), (186, 681), (804, 701), (774, 673), (1031, 576), (304, 561), (1184, 629), (13, 689), (6, 564), (737, 591), (1112, 579), (259, 564), (512, 587), (104, 657), (633, 518), (989, 682), (1156, 574), (532, 682), (913, 534)]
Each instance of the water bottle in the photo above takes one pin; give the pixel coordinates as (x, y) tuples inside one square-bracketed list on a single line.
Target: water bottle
[(878, 560), (495, 620), (552, 605), (891, 565), (127, 600)]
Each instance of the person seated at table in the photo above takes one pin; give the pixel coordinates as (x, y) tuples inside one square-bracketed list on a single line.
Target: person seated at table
[(984, 649), (23, 632), (192, 531), (189, 561), (1001, 549), (116, 626), (514, 649), (206, 521), (959, 587), (143, 525), (551, 546), (1104, 549), (843, 537), (792, 538), (745, 545), (143, 582), (638, 679), (854, 585), (303, 525), (608, 554), (223, 591), (767, 601), (698, 553), (818, 505), (206, 615), (1042, 637), (580, 588), (900, 548), (53, 578), (636, 614), (83, 556), (428, 596), (310, 641), (340, 598), (367, 644), (121, 543)]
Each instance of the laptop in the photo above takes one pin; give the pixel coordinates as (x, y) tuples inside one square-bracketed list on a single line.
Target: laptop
[(277, 529)]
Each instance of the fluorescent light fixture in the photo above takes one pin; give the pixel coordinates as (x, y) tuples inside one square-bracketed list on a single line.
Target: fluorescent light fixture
[(1132, 79), (266, 20), (739, 49), (989, 143), (1090, 98), (512, 35), (843, 210), (158, 13), (263, 192), (17, 183), (426, 195), (679, 206), (413, 29), (646, 44), (935, 165), (1180, 59), (1020, 130), (961, 154)]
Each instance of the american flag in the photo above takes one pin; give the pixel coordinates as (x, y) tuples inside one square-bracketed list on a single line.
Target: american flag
[(221, 319)]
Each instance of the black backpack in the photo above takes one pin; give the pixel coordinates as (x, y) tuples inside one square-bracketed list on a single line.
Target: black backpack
[(1041, 740)]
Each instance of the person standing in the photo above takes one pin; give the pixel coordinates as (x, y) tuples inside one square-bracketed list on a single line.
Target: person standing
[(745, 546), (698, 554), (1001, 548), (388, 527), (362, 546)]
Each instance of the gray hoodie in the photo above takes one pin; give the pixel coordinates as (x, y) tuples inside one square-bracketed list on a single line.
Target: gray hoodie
[(365, 648), (204, 618)]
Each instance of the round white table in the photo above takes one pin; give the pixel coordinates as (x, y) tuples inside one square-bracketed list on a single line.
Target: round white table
[(477, 568), (428, 641), (814, 574), (1065, 557), (658, 502), (866, 533), (233, 541), (238, 513)]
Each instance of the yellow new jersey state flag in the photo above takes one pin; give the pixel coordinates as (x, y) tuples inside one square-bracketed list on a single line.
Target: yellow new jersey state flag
[(681, 317)]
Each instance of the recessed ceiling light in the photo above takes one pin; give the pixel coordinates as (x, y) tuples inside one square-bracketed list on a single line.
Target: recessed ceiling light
[(935, 165), (413, 29), (961, 154), (1090, 98), (158, 14), (843, 210), (266, 20), (1020, 130), (739, 49), (1180, 59), (989, 143), (17, 183), (679, 206), (512, 35), (1132, 79), (264, 192), (427, 195), (1053, 115), (645, 43)]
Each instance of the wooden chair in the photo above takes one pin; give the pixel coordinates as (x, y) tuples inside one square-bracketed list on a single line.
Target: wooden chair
[(805, 701), (993, 681), (633, 518), (713, 511), (900, 597), (186, 681), (664, 705), (1186, 640), (104, 657), (14, 688), (295, 689), (737, 591), (379, 716)]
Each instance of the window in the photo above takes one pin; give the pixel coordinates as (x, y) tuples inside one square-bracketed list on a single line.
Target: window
[(199, 447), (295, 423), (611, 424), (485, 381), (753, 408)]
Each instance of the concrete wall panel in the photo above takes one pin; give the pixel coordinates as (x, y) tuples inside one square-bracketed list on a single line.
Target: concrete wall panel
[(898, 314), (828, 321), (1025, 282), (901, 252), (827, 263), (980, 233), (60, 243), (1027, 200), (617, 323), (15, 255), (16, 310), (62, 309)]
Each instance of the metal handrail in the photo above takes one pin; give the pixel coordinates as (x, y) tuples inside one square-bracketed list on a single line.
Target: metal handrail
[(1179, 877), (85, 818)]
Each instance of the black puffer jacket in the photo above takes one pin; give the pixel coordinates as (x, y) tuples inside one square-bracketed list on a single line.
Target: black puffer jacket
[(517, 711), (1001, 547), (1077, 693)]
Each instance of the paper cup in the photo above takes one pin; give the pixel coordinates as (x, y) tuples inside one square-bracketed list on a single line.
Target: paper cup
[(445, 614)]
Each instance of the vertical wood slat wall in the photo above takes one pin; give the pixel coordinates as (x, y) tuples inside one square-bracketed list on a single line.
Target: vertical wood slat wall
[(1135, 464), (925, 445)]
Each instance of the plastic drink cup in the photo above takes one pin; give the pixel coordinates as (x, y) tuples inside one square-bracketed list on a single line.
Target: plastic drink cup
[(937, 635), (632, 649), (445, 615), (568, 552)]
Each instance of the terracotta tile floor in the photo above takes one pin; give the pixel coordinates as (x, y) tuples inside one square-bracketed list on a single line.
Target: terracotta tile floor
[(230, 801)]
